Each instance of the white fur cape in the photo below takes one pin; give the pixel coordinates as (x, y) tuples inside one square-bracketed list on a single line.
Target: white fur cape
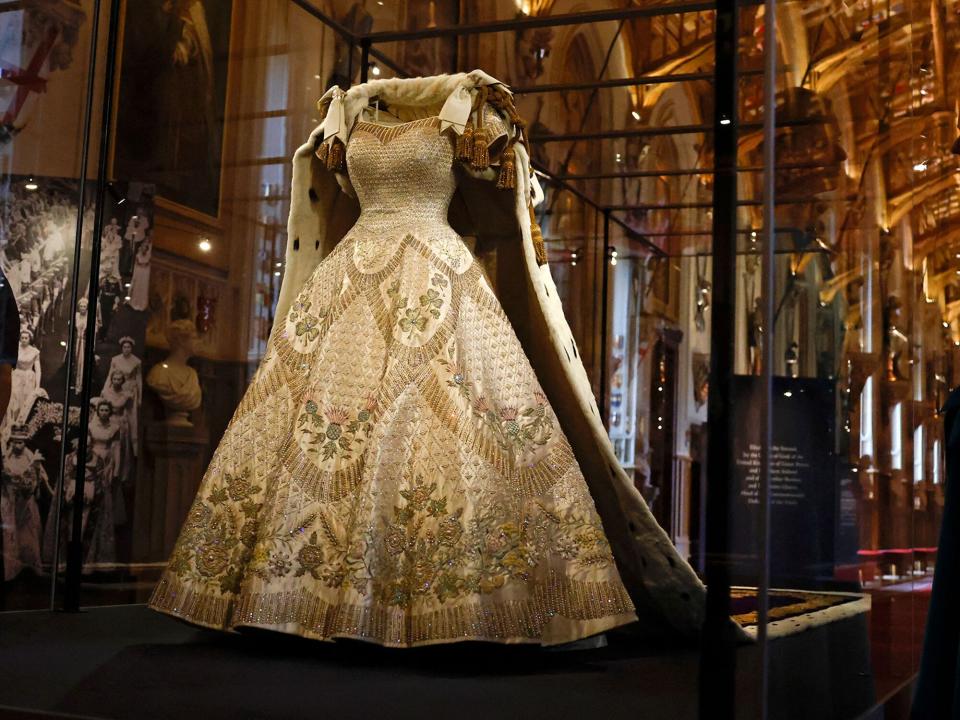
[(668, 595)]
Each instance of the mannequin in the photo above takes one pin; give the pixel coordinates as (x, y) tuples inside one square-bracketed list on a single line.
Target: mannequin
[(450, 389)]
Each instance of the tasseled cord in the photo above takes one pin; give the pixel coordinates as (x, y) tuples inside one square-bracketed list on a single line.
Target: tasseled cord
[(465, 143), (481, 141), (332, 154), (507, 179)]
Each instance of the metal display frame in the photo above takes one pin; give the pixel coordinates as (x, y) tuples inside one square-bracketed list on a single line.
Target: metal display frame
[(718, 652)]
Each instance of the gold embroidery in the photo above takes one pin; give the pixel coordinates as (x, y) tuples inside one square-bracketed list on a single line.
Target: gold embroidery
[(388, 133), (394, 471), (312, 616)]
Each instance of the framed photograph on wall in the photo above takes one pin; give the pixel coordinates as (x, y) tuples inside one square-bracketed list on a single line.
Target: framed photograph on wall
[(172, 97)]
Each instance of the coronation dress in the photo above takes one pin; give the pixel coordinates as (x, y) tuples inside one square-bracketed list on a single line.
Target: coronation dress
[(396, 472)]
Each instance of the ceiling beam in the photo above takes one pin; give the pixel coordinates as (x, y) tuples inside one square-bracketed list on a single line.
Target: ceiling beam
[(530, 23), (622, 82)]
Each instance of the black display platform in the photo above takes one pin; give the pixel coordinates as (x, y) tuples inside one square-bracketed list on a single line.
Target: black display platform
[(128, 662)]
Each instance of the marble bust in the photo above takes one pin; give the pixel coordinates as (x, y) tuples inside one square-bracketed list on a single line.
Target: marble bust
[(173, 380)]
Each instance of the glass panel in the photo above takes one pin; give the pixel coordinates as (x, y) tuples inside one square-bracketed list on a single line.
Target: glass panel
[(192, 250), (861, 336), (44, 53), (212, 99)]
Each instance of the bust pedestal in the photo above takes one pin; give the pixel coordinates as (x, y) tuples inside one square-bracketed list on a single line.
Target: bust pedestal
[(176, 454)]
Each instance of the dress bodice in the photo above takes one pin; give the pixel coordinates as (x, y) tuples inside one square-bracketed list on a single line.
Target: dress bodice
[(402, 174), (102, 435), (26, 357)]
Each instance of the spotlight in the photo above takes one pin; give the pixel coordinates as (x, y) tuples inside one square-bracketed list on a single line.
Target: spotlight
[(30, 185), (204, 245), (636, 115)]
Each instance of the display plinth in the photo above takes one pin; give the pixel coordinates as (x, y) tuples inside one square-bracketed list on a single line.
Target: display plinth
[(176, 454)]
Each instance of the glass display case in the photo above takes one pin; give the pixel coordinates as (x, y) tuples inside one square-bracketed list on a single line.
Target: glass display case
[(748, 218)]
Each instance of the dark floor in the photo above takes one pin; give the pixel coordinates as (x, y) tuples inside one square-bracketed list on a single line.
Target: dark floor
[(128, 662)]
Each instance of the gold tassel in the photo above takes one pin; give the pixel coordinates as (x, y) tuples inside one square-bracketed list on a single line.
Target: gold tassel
[(335, 158), (465, 143), (481, 149), (539, 248), (507, 180), (322, 152)]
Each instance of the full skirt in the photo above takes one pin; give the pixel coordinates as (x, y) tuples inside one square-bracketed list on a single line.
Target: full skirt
[(394, 473)]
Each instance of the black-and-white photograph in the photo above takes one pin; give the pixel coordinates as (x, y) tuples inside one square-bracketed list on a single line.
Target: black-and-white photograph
[(38, 221)]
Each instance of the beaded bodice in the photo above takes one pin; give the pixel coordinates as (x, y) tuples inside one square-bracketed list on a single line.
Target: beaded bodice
[(402, 174)]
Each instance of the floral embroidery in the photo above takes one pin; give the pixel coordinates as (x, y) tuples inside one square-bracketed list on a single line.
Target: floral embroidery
[(411, 319), (280, 564), (310, 558), (432, 302), (430, 551), (456, 538), (517, 431), (307, 324), (423, 541), (219, 533), (333, 432)]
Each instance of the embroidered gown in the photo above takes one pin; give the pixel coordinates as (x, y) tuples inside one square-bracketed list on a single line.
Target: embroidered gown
[(395, 473)]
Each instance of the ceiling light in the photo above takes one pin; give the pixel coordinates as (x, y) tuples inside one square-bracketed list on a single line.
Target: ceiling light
[(375, 69), (920, 166), (636, 115), (204, 245), (725, 121), (30, 185)]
